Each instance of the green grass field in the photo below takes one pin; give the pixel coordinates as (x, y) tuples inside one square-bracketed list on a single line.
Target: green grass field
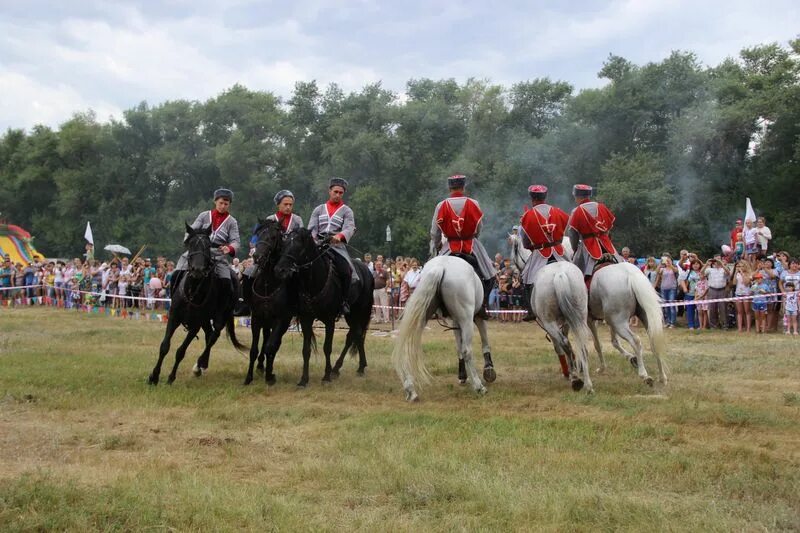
[(86, 444)]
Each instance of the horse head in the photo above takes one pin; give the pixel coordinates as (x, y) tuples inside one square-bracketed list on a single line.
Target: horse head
[(198, 247), (298, 249), (268, 245)]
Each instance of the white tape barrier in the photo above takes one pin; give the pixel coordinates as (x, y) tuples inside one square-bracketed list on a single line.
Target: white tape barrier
[(674, 303)]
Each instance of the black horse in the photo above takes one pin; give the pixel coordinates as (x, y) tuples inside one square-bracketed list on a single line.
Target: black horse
[(271, 303), (311, 271), (196, 306)]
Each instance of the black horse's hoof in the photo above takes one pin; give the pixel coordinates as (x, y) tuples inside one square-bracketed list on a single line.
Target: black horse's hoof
[(170, 380), (577, 384), (489, 374), (327, 380), (248, 380), (334, 374), (260, 369), (271, 380), (634, 362), (361, 372), (302, 385), (152, 380)]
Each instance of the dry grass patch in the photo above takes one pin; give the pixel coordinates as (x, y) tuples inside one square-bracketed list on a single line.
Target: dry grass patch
[(86, 444)]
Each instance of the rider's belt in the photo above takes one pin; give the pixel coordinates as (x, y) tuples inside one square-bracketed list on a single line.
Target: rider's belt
[(590, 235), (460, 238), (545, 245)]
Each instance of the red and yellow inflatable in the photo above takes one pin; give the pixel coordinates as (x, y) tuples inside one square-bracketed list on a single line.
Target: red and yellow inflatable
[(17, 243)]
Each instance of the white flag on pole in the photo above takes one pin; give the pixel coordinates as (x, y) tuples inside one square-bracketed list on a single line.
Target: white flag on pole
[(88, 233), (749, 214)]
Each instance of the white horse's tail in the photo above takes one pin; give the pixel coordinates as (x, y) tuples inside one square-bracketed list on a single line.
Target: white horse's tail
[(575, 314), (407, 353), (647, 299)]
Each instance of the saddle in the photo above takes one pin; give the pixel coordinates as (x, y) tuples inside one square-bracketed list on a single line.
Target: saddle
[(469, 258), (605, 260)]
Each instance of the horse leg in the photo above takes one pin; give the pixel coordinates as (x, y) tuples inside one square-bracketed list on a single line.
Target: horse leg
[(181, 351), (260, 364), (465, 353), (632, 359), (563, 348), (598, 348), (172, 325), (488, 366), (255, 331), (631, 338), (462, 366), (212, 334), (307, 333), (362, 353), (340, 361), (327, 348), (272, 345)]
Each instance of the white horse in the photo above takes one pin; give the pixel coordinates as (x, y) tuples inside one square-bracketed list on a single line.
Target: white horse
[(450, 287), (617, 293), (559, 302)]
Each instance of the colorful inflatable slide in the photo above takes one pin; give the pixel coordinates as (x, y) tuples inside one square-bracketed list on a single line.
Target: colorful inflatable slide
[(16, 243)]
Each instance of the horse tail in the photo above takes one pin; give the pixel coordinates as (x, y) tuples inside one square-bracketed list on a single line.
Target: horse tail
[(230, 327), (407, 353), (648, 308), (575, 314)]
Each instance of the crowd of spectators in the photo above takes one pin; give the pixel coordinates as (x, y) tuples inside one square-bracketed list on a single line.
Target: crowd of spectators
[(118, 283), (767, 283)]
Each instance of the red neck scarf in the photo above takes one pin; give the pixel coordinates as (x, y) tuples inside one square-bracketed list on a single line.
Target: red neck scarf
[(217, 219), (284, 220), (332, 207)]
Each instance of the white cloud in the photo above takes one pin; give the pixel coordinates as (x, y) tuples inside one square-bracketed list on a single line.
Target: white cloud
[(110, 56)]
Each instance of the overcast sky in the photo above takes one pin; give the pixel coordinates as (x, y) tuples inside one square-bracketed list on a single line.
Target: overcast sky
[(59, 57)]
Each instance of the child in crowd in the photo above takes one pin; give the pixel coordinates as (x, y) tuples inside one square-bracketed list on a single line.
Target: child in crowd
[(122, 291), (790, 307), (750, 235), (700, 291), (517, 297), (759, 290), (743, 279)]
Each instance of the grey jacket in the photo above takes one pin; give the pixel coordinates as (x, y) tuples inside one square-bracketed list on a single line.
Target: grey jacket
[(343, 221)]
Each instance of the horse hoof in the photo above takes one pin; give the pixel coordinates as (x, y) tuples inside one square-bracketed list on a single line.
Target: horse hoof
[(412, 397), (489, 374), (152, 380), (577, 384), (482, 391), (326, 381), (271, 380), (170, 380), (302, 385), (462, 381), (634, 362), (248, 381), (361, 372), (334, 374), (197, 371), (649, 381), (260, 369)]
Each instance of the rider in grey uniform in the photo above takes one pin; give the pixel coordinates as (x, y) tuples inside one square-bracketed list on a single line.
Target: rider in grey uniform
[(284, 204), (335, 221), (224, 238)]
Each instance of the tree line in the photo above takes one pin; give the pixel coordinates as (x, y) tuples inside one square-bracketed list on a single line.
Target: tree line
[(673, 147)]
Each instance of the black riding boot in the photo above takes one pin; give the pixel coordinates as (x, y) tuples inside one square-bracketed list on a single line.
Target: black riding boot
[(488, 284), (226, 297), (529, 316), (345, 279)]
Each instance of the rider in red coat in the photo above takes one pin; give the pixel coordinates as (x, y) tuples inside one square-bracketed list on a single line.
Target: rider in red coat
[(590, 225), (458, 218), (542, 230)]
